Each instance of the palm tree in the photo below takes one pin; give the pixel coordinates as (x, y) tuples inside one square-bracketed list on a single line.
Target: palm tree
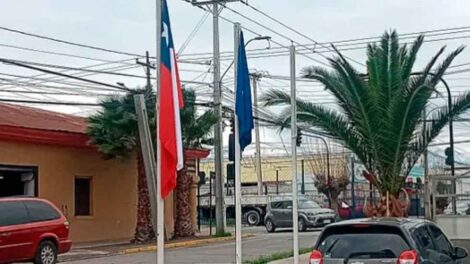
[(114, 131), (378, 113), (196, 131)]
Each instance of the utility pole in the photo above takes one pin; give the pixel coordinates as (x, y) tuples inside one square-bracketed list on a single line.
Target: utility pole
[(295, 222), (147, 154), (427, 198), (255, 77), (218, 139), (147, 66)]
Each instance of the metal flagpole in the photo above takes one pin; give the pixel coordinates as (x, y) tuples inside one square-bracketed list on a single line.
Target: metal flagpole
[(160, 203), (295, 219), (238, 206)]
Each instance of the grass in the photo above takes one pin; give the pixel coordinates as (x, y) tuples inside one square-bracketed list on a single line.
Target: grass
[(226, 234), (277, 256)]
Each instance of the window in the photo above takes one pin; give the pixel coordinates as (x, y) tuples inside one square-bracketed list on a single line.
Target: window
[(13, 213), (83, 197), (40, 211), (276, 205), (286, 205), (423, 238), (348, 242), (306, 204), (442, 244)]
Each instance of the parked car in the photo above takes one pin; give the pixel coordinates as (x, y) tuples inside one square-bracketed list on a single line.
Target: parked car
[(462, 206), (32, 230), (385, 240), (279, 214)]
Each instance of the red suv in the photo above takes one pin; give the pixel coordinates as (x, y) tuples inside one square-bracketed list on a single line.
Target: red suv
[(32, 229)]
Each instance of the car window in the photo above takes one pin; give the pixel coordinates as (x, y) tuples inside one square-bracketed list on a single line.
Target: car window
[(423, 238), (40, 211), (286, 204), (13, 213), (276, 205), (442, 243), (368, 242), (306, 204)]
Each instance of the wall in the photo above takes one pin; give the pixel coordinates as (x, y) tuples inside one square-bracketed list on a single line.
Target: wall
[(114, 187)]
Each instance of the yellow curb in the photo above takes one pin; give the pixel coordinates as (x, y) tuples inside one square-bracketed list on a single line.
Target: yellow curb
[(190, 243)]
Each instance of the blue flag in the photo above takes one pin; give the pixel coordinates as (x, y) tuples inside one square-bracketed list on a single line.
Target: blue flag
[(243, 107)]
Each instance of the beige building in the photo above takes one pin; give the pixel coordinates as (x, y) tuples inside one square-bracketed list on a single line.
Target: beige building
[(46, 154)]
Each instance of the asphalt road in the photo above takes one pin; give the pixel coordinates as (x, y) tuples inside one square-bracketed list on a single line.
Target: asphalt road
[(262, 244)]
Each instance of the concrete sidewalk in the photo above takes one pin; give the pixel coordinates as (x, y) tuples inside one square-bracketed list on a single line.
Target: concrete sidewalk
[(303, 259), (82, 251)]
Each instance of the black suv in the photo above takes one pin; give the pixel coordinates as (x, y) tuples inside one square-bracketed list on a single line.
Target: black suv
[(279, 214), (385, 240)]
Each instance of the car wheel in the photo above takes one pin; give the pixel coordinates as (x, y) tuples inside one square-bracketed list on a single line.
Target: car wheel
[(46, 253), (253, 218), (302, 226), (269, 226)]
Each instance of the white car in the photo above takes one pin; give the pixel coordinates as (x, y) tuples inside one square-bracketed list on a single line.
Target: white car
[(461, 207)]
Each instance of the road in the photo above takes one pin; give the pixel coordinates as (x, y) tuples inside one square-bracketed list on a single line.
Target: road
[(262, 244)]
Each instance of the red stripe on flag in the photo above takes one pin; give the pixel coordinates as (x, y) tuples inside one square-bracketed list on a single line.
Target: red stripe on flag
[(180, 93), (167, 127)]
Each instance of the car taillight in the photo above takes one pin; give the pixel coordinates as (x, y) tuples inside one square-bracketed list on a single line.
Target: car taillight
[(408, 257), (316, 257)]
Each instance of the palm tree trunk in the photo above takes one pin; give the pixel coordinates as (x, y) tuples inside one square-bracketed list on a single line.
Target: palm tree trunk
[(183, 222), (143, 231)]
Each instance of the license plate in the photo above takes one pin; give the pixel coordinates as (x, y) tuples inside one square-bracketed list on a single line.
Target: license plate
[(327, 221)]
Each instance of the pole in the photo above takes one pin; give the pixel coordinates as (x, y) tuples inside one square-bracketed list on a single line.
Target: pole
[(218, 140), (277, 181), (303, 177), (160, 203), (238, 207), (198, 196), (294, 155), (147, 153), (353, 195), (210, 205), (427, 197), (259, 176)]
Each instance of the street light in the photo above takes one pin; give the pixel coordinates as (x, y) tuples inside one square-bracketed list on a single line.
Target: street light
[(267, 38)]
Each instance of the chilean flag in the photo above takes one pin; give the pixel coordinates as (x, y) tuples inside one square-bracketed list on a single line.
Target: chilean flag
[(171, 101)]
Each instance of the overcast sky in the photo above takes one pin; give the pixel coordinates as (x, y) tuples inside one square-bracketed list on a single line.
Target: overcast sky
[(129, 26)]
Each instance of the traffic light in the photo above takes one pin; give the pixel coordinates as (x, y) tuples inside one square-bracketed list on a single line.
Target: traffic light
[(449, 156), (298, 140), (202, 177), (419, 183), (231, 147), (231, 171)]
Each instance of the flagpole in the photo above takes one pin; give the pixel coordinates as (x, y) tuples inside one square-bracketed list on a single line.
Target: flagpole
[(238, 207), (295, 217), (160, 232)]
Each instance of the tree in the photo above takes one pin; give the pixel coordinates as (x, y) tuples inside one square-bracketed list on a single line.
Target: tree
[(378, 113), (338, 179), (196, 131), (114, 131)]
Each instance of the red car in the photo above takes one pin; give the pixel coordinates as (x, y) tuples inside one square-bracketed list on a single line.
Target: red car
[(32, 229)]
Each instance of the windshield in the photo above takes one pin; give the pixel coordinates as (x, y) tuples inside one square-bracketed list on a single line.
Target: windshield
[(363, 243), (306, 204)]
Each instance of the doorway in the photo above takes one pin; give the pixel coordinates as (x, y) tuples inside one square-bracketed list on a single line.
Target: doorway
[(18, 180)]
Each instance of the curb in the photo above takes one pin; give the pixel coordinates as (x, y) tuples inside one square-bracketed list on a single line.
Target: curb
[(183, 244)]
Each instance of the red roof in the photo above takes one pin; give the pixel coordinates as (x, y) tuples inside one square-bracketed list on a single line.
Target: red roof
[(33, 125), (29, 117)]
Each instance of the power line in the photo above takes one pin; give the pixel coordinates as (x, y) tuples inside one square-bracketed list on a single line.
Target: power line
[(192, 34), (69, 42), (297, 32), (47, 102)]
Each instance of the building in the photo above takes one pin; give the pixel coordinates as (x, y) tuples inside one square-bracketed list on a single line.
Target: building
[(46, 154)]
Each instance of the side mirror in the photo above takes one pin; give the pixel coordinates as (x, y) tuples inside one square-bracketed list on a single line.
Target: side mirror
[(460, 253)]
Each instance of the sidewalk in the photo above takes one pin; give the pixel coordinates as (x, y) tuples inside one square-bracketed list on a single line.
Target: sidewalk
[(82, 251)]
